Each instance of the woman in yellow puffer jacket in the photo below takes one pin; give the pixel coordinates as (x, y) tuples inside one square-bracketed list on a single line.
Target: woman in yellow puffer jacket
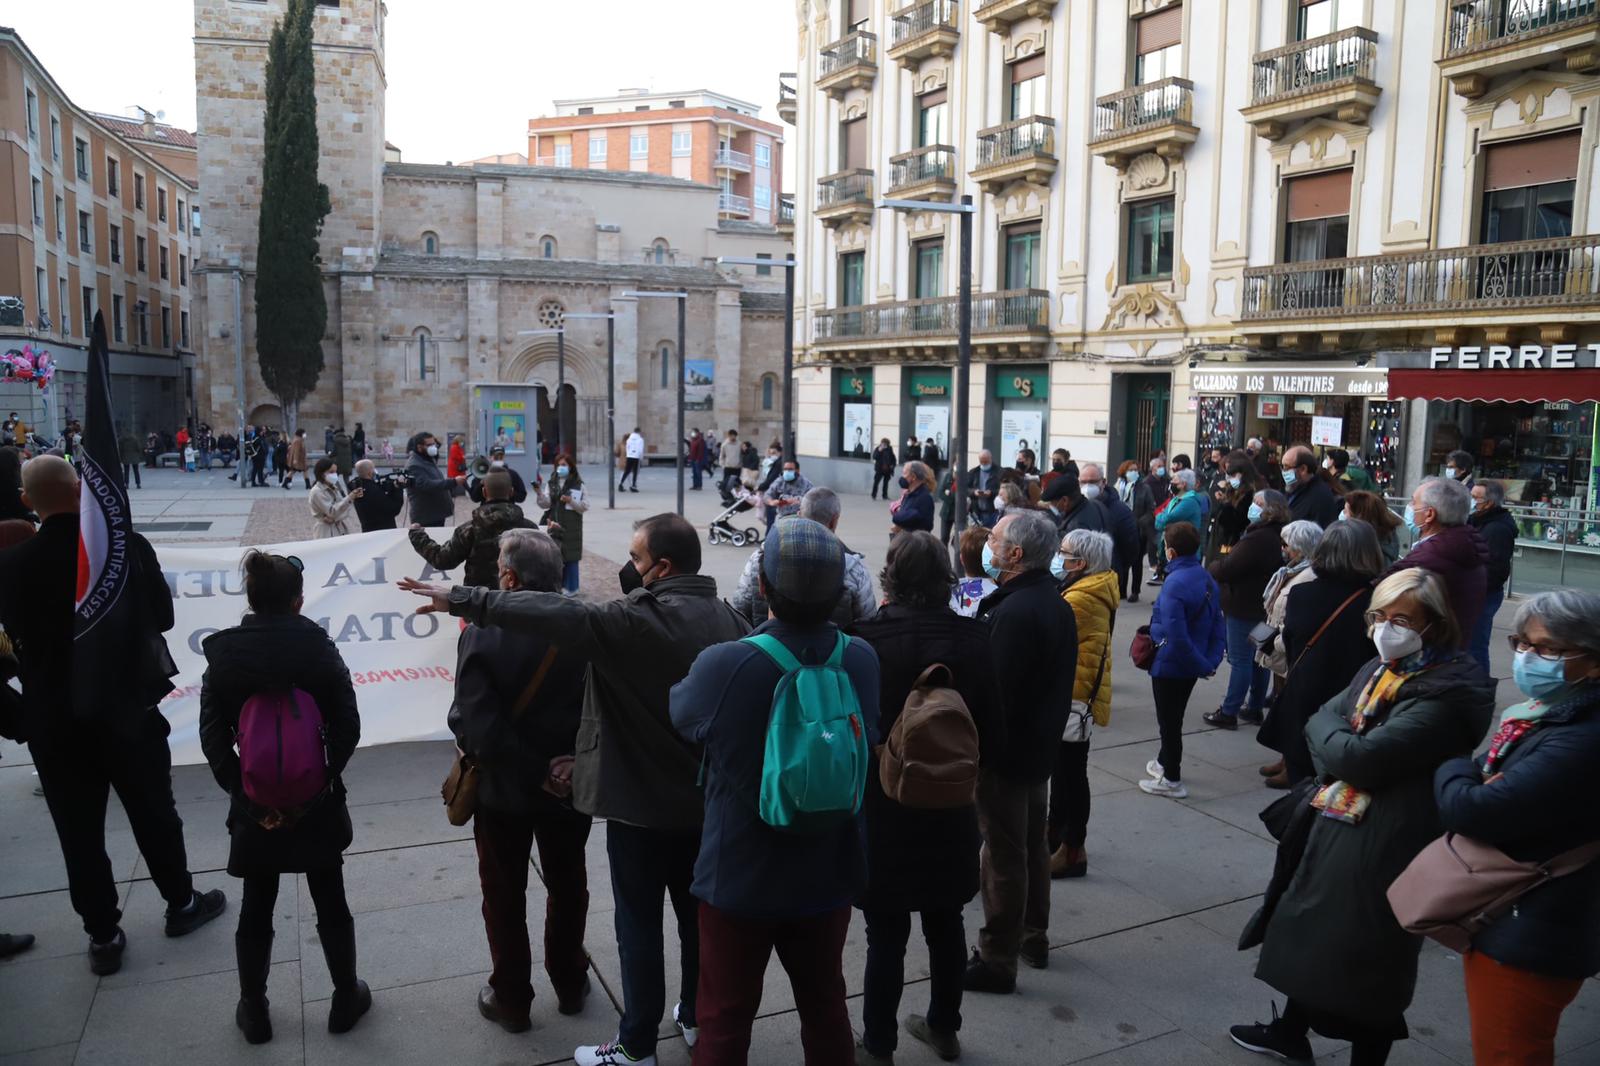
[(1090, 588)]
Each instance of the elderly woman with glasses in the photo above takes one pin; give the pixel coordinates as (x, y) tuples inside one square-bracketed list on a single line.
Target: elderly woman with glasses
[(1299, 540), (1332, 945), (1530, 795)]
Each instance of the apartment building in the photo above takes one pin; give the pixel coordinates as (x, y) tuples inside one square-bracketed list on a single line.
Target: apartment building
[(1347, 222), (699, 136), (100, 223)]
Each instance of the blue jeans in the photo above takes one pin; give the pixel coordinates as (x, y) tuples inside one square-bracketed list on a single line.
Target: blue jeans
[(697, 471), (1485, 627), (569, 577), (1244, 676), (645, 863)]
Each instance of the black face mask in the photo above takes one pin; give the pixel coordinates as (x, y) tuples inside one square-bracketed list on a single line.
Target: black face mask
[(1022, 465), (629, 578), (1059, 467), (904, 483)]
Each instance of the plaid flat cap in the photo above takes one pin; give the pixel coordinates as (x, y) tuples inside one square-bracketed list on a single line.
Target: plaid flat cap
[(803, 560)]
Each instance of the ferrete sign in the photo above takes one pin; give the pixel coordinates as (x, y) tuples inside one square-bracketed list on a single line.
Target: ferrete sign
[(1290, 382), (1516, 357)]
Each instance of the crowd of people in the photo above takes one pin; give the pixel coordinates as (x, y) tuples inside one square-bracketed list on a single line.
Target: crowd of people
[(828, 740)]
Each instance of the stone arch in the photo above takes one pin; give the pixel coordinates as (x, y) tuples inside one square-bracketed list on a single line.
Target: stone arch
[(266, 414), (538, 364)]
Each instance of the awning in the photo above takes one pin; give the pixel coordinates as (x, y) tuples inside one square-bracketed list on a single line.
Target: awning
[(1496, 386)]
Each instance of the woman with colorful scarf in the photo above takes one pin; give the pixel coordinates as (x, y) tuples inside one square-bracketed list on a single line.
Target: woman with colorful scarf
[(1332, 944), (1531, 796)]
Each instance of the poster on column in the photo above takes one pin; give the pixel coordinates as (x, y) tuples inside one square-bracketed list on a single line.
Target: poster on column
[(933, 423), (855, 430), (1018, 430), (698, 384), (402, 663)]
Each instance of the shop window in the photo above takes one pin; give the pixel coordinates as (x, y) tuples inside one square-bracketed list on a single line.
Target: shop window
[(933, 118), (1026, 80), (1158, 46), (852, 413), (1149, 240)]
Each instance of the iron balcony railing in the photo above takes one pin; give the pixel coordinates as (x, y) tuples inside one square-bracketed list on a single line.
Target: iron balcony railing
[(1475, 25), (733, 204), (856, 49), (1021, 138), (1307, 66), (786, 210), (1160, 103), (846, 187), (727, 157), (1562, 272), (786, 88), (910, 23), (935, 162), (1012, 311)]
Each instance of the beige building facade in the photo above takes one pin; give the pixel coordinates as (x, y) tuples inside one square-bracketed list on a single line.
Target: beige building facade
[(436, 275), (95, 220), (1201, 222)]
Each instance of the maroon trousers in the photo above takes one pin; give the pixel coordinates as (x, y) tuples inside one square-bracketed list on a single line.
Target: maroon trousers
[(505, 844), (734, 951)]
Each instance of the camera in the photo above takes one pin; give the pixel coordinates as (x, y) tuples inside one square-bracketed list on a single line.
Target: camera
[(393, 478)]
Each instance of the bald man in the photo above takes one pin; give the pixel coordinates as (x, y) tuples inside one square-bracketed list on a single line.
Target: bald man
[(379, 504), (81, 754)]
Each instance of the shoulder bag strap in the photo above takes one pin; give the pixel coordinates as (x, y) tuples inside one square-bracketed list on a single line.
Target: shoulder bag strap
[(526, 699), (1324, 628), (1105, 655)]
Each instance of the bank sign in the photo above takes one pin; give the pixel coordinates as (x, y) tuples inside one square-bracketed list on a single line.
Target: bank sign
[(1292, 382)]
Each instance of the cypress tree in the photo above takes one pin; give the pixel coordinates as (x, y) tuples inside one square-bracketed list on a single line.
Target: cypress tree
[(291, 309)]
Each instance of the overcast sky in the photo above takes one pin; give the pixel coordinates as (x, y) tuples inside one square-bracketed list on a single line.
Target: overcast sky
[(464, 75)]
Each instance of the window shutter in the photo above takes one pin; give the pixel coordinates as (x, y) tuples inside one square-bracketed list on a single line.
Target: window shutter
[(860, 11), (933, 99), (1161, 30), (1319, 196), (1535, 161), (1031, 67), (855, 144)]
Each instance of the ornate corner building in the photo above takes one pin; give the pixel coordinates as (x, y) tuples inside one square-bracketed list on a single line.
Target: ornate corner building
[(1346, 222)]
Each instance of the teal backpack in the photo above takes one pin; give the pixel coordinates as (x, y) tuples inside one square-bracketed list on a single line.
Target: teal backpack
[(814, 766)]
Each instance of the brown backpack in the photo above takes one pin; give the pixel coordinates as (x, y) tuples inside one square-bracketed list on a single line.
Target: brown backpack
[(930, 758)]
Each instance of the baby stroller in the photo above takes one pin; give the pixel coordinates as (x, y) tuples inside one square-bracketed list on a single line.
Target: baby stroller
[(722, 527)]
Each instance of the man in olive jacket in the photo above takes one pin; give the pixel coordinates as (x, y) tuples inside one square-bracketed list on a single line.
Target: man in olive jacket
[(632, 769)]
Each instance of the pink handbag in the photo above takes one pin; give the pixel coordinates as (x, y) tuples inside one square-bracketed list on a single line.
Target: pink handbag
[(1456, 886)]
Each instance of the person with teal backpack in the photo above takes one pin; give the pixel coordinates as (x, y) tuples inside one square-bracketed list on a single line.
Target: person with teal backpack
[(787, 717)]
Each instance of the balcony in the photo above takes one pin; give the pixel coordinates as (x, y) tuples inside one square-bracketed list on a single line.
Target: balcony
[(998, 15), (932, 28), (1494, 278), (1158, 117), (923, 174), (786, 214), (1014, 323), (1023, 149), (848, 63), (728, 159), (845, 197), (1485, 38), (788, 99), (730, 204), (1328, 75)]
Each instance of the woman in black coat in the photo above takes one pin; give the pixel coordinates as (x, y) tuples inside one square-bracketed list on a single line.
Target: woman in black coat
[(275, 648), (1230, 508), (914, 509), (1242, 575), (1346, 562), (1531, 796), (920, 860)]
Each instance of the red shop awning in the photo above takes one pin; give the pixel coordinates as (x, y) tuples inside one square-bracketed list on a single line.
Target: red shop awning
[(1505, 386)]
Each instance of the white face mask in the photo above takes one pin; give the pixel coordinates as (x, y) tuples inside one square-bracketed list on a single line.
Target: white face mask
[(1395, 643), (1091, 492), (331, 477), (497, 464), (433, 451)]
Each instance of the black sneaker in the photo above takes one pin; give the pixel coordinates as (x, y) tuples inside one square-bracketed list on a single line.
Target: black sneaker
[(1250, 716), (982, 977), (1273, 1039), (201, 909), (106, 959), (14, 944), (1219, 720)]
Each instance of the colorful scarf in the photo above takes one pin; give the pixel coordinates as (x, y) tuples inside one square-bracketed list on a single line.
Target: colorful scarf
[(1515, 722), (1341, 800)]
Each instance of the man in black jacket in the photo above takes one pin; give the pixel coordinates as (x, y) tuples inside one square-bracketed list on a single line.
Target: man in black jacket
[(380, 501), (982, 485), (476, 542), (1119, 522), (1491, 519), (497, 461), (1035, 641), (1311, 497), (1066, 503), (432, 503), (518, 700), (883, 467), (122, 745)]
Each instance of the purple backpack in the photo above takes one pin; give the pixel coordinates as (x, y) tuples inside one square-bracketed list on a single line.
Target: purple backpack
[(283, 758)]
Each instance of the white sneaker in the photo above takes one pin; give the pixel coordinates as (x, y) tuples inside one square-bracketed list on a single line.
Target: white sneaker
[(1153, 768), (610, 1054), (691, 1033), (1162, 787)]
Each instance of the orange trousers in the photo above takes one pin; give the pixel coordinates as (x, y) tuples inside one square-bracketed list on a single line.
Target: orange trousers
[(1514, 1012)]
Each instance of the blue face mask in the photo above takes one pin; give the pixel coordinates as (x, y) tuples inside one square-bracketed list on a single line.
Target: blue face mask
[(986, 467), (1255, 512), (1289, 478), (1538, 677), (989, 565), (1131, 476), (1160, 471), (1058, 566), (1344, 516), (789, 475), (563, 471), (1411, 520)]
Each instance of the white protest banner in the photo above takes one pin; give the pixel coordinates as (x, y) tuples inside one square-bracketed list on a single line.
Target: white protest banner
[(402, 663)]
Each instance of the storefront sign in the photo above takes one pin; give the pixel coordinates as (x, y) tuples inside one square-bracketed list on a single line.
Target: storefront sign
[(1289, 381), (1525, 373), (1269, 407), (1020, 386), (1327, 432), (855, 383), (929, 383), (1504, 357)]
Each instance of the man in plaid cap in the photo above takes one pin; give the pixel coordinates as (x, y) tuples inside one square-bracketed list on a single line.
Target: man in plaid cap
[(760, 888)]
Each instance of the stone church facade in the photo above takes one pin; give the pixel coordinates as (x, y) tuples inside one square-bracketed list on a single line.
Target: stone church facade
[(434, 274)]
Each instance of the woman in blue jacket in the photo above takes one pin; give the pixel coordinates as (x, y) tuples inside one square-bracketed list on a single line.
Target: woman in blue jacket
[(914, 509), (1531, 796), (1186, 625), (1182, 506)]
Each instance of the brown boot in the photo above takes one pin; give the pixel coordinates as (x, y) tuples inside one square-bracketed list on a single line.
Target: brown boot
[(1068, 862), (1279, 780), (1272, 770)]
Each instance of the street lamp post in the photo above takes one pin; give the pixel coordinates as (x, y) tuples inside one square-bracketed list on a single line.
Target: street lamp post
[(560, 334), (958, 445), (611, 388), (683, 306), (788, 266)]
